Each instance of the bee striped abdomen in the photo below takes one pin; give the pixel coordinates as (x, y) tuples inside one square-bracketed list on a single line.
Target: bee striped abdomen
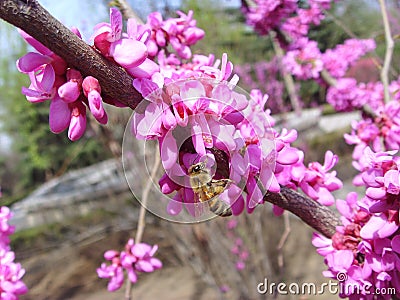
[(219, 207)]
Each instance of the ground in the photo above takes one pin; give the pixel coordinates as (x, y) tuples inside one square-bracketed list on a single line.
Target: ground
[(63, 265)]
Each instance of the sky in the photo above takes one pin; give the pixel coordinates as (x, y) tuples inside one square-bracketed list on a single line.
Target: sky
[(85, 14)]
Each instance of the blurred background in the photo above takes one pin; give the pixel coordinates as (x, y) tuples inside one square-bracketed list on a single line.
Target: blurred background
[(71, 200)]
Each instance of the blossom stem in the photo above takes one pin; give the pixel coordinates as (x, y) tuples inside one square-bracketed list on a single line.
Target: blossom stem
[(342, 25), (142, 212), (126, 10), (287, 78), (389, 51), (32, 18), (328, 78)]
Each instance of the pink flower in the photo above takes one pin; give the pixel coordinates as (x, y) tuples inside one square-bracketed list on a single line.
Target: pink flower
[(180, 33), (305, 62), (344, 94), (135, 258), (139, 258), (92, 90), (11, 273), (128, 52), (77, 124), (42, 76), (265, 15), (363, 250), (240, 265), (51, 79), (318, 184), (70, 91), (204, 114), (338, 60)]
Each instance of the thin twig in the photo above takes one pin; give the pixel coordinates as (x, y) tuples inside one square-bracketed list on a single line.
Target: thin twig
[(283, 239), (340, 24), (389, 51), (142, 213), (145, 197), (287, 78), (327, 77)]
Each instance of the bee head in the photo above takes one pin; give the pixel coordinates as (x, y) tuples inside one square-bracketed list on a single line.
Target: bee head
[(196, 168)]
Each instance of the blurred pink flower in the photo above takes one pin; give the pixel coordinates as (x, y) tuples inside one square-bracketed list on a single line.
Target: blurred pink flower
[(135, 258)]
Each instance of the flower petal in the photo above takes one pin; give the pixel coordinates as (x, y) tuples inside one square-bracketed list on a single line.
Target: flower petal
[(59, 115), (31, 61), (128, 53)]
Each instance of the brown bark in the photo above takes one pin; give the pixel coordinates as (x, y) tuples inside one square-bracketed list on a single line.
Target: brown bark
[(317, 216)]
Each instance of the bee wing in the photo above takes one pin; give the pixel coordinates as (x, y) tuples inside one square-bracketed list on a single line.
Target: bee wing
[(199, 204)]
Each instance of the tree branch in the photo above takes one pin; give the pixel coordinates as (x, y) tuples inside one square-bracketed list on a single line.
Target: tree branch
[(316, 215), (32, 18), (319, 217)]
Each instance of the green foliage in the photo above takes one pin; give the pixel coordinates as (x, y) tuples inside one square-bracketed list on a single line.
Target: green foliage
[(226, 32)]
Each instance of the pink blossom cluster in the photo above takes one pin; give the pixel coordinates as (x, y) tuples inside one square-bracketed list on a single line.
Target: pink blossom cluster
[(381, 128), (192, 110), (195, 117), (11, 273), (348, 95), (180, 33), (304, 61), (266, 15), (379, 173), (128, 49), (338, 60), (134, 50), (192, 118), (69, 93), (284, 15), (364, 253), (198, 116), (134, 258), (303, 58)]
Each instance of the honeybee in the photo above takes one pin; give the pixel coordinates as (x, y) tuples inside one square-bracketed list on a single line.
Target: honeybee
[(208, 189)]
